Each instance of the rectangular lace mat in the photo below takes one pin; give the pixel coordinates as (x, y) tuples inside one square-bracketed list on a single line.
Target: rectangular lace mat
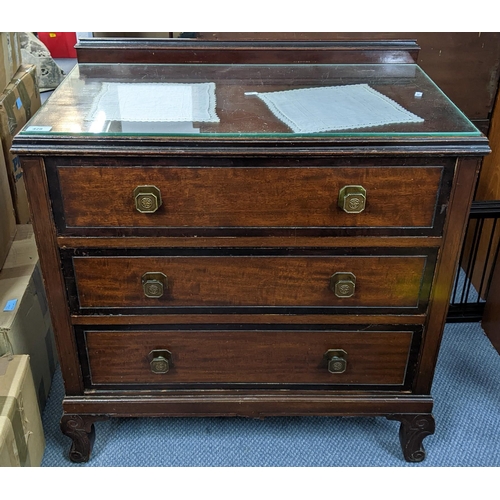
[(343, 107)]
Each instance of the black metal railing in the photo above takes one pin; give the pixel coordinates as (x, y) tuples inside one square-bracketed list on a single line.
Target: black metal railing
[(479, 254)]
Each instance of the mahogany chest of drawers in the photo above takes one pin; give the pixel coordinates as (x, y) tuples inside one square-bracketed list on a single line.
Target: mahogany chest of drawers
[(235, 264)]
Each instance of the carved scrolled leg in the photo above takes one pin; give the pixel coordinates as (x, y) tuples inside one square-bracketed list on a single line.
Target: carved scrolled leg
[(414, 428), (80, 428)]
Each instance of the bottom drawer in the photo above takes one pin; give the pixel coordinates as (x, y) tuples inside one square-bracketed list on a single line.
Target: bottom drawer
[(152, 357)]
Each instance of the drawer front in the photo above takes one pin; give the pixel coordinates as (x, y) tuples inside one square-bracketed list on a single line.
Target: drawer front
[(226, 198), (247, 357), (390, 281)]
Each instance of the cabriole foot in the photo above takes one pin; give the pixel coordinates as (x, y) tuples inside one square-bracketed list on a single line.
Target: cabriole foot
[(414, 428), (80, 428)]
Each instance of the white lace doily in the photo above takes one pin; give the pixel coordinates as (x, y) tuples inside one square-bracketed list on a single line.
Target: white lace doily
[(156, 102), (343, 107)]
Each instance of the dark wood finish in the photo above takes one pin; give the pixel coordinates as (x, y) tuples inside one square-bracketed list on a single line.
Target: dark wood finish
[(252, 292), (250, 281), (105, 50), (226, 197), (80, 428), (287, 357), (229, 208), (248, 319), (413, 430), (459, 207), (65, 242), (189, 147), (136, 34), (45, 235), (245, 403), (491, 316)]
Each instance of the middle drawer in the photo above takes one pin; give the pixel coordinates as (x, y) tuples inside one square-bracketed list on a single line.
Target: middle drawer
[(399, 282)]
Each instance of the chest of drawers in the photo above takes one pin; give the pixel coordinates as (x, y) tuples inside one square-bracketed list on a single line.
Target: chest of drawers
[(231, 267)]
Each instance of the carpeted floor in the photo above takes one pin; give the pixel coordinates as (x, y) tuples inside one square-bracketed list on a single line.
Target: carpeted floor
[(467, 412)]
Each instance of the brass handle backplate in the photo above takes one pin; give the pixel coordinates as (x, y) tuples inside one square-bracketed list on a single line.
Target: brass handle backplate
[(147, 199), (337, 360), (154, 284), (160, 361), (343, 285), (352, 199)]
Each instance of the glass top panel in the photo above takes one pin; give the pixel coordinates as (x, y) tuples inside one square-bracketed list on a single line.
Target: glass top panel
[(249, 101)]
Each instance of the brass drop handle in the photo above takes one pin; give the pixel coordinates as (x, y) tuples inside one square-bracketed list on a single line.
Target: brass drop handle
[(147, 199), (337, 360), (160, 361), (352, 199), (154, 284), (343, 285)]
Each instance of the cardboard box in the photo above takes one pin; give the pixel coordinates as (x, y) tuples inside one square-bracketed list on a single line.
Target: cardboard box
[(19, 101), (22, 441), (9, 454), (10, 57), (25, 325), (7, 214)]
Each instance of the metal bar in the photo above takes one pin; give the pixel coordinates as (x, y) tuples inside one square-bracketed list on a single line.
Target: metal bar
[(465, 313), (485, 209), (491, 274), (460, 309), (474, 257), (470, 263), (486, 260), (457, 277)]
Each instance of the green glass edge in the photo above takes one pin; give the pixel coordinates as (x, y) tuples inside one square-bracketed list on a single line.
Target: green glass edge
[(477, 133)]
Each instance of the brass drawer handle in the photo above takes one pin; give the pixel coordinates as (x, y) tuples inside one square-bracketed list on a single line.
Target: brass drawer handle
[(154, 285), (337, 360), (147, 199), (352, 199), (160, 361), (343, 285)]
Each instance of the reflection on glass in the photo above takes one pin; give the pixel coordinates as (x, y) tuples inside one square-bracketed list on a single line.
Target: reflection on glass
[(99, 123), (156, 127), (159, 102)]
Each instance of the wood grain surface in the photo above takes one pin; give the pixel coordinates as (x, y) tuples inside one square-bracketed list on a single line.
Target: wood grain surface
[(249, 357), (381, 281), (249, 197)]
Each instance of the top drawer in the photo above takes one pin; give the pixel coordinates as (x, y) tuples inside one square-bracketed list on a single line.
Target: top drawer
[(248, 200)]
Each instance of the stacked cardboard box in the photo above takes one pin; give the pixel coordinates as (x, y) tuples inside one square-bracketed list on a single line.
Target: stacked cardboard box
[(10, 60), (10, 57), (25, 326), (7, 214), (22, 441), (18, 102)]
